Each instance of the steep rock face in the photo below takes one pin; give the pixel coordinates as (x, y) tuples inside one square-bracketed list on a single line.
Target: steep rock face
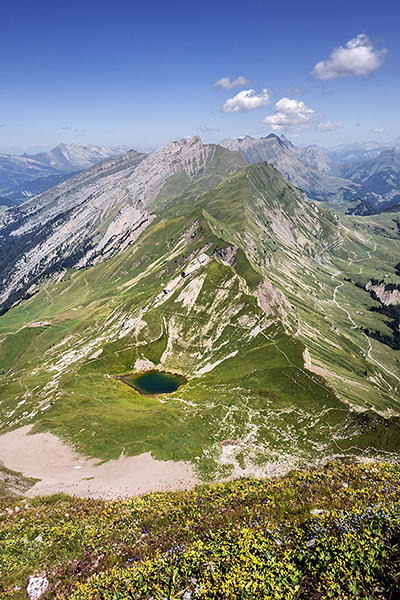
[(271, 300), (387, 297), (89, 216), (315, 158)]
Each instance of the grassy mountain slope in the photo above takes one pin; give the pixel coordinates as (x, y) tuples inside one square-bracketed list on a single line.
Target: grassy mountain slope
[(309, 253), (321, 533), (226, 288)]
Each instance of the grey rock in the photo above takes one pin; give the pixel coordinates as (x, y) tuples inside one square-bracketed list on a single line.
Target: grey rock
[(37, 586)]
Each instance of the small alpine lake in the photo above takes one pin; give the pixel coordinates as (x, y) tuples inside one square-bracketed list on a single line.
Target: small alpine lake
[(153, 382)]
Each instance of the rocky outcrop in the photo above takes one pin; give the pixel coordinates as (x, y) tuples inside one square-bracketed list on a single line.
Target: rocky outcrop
[(386, 296), (272, 301)]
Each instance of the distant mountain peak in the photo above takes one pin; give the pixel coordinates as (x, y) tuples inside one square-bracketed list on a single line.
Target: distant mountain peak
[(305, 168), (282, 140), (245, 137), (196, 139), (185, 142), (65, 159)]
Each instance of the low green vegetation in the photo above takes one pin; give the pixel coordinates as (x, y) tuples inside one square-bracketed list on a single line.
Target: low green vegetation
[(328, 532), (246, 290)]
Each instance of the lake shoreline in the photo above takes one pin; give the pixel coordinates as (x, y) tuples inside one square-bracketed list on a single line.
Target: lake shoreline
[(158, 387)]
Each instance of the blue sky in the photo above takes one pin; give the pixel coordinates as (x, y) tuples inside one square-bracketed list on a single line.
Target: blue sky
[(112, 73)]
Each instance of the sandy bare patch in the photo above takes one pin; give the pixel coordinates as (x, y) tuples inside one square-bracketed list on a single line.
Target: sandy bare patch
[(61, 469)]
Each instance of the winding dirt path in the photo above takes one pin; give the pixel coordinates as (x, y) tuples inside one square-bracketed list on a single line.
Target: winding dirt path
[(354, 326)]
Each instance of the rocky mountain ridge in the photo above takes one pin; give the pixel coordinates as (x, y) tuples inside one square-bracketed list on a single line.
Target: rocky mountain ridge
[(22, 177), (307, 169), (98, 211), (373, 183)]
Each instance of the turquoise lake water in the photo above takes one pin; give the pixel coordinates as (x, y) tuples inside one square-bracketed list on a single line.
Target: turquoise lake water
[(154, 382)]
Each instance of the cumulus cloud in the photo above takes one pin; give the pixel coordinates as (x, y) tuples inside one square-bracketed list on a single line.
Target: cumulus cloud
[(296, 91), (226, 84), (358, 58), (328, 126), (247, 100), (291, 114), (208, 129), (294, 115)]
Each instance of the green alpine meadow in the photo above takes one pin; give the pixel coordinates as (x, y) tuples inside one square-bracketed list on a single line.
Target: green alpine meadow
[(331, 532), (272, 320), (254, 295)]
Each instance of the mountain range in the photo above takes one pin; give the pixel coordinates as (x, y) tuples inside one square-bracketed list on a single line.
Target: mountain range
[(359, 152), (22, 177), (373, 183), (192, 261)]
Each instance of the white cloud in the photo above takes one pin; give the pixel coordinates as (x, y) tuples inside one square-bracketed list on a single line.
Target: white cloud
[(208, 129), (226, 84), (27, 146), (291, 114), (358, 58), (247, 100), (296, 91), (328, 126)]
